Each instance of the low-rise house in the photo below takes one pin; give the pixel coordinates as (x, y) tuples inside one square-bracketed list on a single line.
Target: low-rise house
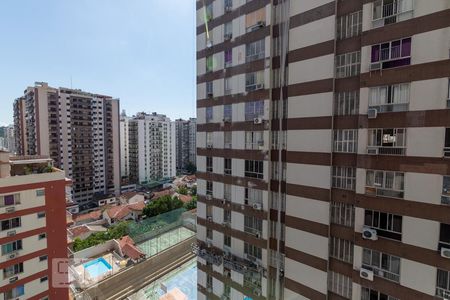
[(90, 217), (129, 249), (124, 212), (131, 197)]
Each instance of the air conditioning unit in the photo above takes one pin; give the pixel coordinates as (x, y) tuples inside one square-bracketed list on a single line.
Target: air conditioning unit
[(228, 8), (225, 224), (209, 289), (375, 66), (445, 252), (12, 255), (372, 113), (209, 146), (257, 206), (227, 36), (366, 274), (209, 218), (257, 120), (369, 234), (209, 44), (258, 235), (208, 244), (372, 150), (227, 119), (11, 233), (13, 279), (10, 209), (227, 273), (208, 197), (259, 86), (261, 24), (210, 94)]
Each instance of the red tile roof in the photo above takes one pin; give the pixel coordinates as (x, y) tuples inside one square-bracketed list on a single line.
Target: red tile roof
[(159, 194), (129, 249), (93, 215), (79, 230), (185, 198), (118, 212), (139, 206), (128, 196)]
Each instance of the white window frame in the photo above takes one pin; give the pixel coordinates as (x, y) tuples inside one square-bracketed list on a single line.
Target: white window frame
[(390, 98), (255, 50), (383, 14), (379, 138), (344, 178), (340, 284), (348, 64), (341, 249), (346, 140), (252, 196), (366, 294), (254, 80), (346, 103), (385, 183), (443, 292), (343, 214), (377, 268), (254, 140), (349, 25)]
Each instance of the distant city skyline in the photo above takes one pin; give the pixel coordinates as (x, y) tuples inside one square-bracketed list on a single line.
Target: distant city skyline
[(127, 50)]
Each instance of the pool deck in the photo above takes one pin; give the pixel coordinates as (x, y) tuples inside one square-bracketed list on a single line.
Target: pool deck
[(134, 278), (84, 277)]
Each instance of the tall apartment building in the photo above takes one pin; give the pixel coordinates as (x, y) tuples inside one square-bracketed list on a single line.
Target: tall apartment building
[(148, 148), (185, 144), (33, 229), (323, 144), (7, 140), (78, 130)]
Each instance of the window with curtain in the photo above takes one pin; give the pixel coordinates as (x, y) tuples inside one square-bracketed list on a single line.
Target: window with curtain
[(390, 98), (392, 54)]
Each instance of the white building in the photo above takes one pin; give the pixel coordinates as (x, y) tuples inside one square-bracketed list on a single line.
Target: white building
[(148, 148)]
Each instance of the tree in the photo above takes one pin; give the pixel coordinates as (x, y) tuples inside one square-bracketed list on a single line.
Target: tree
[(162, 205), (182, 190), (194, 190), (191, 204), (191, 168)]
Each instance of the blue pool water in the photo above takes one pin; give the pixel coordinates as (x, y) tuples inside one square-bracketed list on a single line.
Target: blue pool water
[(186, 281), (97, 267)]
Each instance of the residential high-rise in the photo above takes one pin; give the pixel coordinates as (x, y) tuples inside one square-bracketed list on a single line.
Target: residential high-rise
[(33, 233), (7, 140), (186, 149), (323, 137), (148, 148), (78, 130)]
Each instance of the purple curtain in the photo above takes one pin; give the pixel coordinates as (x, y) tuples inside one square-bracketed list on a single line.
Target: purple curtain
[(228, 56), (375, 53), (9, 200), (406, 47)]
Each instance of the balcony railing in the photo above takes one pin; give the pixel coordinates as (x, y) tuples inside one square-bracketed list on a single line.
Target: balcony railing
[(383, 150), (442, 293), (383, 192), (392, 13), (253, 231), (383, 273), (447, 152)]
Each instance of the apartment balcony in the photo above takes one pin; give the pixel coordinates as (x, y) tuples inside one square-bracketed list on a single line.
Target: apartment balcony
[(384, 192), (378, 150), (391, 11), (383, 273)]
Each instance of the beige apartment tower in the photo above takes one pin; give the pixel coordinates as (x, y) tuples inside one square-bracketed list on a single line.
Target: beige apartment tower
[(323, 149), (78, 130)]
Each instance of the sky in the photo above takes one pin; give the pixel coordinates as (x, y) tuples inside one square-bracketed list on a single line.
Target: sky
[(141, 51)]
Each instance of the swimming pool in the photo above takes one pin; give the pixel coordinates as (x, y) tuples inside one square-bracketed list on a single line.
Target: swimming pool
[(97, 267)]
